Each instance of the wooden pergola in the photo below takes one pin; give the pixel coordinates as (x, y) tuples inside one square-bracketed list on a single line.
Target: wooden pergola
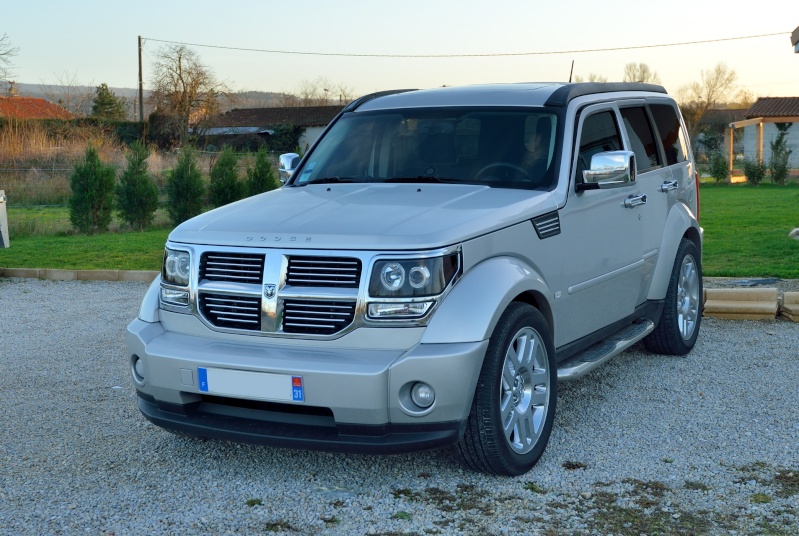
[(765, 110)]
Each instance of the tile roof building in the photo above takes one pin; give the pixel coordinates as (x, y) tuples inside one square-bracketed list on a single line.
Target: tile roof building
[(25, 108), (760, 129)]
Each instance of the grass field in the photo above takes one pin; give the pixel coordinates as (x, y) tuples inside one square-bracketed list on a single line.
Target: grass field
[(746, 235)]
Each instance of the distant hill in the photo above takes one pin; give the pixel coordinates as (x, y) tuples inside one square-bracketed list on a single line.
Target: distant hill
[(240, 99)]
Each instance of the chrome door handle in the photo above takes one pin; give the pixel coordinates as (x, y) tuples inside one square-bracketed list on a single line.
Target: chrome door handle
[(668, 186), (635, 200)]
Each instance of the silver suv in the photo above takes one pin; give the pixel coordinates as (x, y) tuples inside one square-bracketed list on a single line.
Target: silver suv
[(434, 265)]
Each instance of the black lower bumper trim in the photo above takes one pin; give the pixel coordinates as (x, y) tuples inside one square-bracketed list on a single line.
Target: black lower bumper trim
[(362, 439)]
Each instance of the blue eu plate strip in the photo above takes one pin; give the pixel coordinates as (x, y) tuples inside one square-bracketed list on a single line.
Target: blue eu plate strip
[(202, 379), (297, 390)]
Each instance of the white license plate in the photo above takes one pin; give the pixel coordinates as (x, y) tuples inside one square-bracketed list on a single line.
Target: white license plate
[(257, 385)]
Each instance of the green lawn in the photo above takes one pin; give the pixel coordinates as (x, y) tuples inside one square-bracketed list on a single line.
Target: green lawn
[(746, 235), (746, 230)]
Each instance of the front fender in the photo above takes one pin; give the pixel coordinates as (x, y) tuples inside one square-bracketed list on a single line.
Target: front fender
[(679, 222), (148, 312), (472, 309)]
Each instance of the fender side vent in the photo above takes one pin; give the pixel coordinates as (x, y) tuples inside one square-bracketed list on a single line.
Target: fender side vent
[(547, 225)]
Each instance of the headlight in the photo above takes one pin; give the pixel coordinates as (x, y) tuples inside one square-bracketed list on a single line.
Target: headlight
[(411, 278), (176, 272)]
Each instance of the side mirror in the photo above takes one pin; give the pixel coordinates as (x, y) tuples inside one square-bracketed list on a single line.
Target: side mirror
[(287, 164), (610, 170)]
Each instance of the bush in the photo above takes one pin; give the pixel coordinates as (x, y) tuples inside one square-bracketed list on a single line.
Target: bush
[(92, 198), (185, 188), (261, 177), (719, 167), (755, 170), (137, 194), (778, 166), (225, 186)]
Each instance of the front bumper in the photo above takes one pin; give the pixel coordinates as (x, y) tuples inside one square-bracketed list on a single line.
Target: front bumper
[(355, 399)]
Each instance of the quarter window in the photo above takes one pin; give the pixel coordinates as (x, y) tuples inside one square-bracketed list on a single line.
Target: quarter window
[(642, 140), (668, 125)]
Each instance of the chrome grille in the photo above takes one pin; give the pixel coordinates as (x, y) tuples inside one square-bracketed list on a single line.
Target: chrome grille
[(317, 317), (339, 272), (235, 267), (238, 312)]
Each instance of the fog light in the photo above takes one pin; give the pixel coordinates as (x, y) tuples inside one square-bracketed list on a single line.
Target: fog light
[(423, 395), (137, 369)]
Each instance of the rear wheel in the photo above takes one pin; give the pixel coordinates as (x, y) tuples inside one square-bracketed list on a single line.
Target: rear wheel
[(514, 404), (678, 328)]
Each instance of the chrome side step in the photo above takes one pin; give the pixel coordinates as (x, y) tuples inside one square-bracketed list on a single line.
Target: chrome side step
[(593, 356)]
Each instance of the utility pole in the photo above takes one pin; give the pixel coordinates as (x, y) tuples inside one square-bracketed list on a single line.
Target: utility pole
[(141, 88)]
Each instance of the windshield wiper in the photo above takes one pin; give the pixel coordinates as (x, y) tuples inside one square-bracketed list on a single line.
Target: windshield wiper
[(330, 180), (421, 178)]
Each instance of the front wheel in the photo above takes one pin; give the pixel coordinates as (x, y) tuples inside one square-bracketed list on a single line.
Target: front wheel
[(678, 327), (514, 405)]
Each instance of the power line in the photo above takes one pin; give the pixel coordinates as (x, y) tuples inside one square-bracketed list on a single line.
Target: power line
[(496, 55)]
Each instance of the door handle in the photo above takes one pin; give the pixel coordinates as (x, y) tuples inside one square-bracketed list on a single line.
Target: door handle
[(668, 186), (635, 200)]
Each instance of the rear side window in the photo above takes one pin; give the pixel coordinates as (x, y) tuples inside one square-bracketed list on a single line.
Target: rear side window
[(636, 123), (668, 125)]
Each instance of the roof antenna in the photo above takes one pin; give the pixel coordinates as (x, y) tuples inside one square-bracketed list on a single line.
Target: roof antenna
[(571, 72)]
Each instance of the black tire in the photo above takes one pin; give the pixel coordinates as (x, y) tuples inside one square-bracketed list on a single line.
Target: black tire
[(678, 328), (526, 395)]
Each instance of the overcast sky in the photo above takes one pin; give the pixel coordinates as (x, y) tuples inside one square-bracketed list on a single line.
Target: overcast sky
[(96, 41)]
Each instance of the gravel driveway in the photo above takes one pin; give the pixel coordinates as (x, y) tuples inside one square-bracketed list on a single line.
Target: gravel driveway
[(645, 444)]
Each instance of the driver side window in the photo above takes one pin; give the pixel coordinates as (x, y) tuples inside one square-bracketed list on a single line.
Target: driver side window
[(600, 134)]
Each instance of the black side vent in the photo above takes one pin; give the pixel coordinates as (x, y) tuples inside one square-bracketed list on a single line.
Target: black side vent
[(235, 267), (341, 272), (547, 225)]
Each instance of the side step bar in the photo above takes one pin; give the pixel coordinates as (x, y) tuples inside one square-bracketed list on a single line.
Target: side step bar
[(593, 356)]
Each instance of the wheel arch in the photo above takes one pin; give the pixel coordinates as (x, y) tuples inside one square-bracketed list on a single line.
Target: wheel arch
[(679, 224), (473, 308)]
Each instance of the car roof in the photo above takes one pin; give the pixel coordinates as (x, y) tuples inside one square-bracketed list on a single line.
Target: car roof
[(519, 94)]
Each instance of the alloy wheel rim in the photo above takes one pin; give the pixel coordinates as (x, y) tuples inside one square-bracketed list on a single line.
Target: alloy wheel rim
[(688, 297), (524, 390)]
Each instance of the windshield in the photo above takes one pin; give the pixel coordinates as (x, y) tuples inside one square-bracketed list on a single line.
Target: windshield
[(496, 147)]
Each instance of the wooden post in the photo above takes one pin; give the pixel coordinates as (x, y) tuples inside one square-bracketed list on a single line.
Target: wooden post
[(759, 142), (729, 141)]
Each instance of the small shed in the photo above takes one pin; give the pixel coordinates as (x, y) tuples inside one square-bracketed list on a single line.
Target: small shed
[(262, 121), (759, 127)]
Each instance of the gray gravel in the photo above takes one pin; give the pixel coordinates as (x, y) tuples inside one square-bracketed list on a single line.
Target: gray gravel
[(646, 444)]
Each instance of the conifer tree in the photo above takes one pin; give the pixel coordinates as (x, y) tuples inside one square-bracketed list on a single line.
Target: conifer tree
[(92, 198), (137, 193), (107, 105), (225, 186), (185, 188), (261, 176)]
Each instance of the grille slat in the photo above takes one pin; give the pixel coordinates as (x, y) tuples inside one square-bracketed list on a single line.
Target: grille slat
[(341, 272), (235, 267), (238, 312), (317, 317)]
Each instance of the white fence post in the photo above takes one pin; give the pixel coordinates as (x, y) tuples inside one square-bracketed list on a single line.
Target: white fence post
[(3, 221)]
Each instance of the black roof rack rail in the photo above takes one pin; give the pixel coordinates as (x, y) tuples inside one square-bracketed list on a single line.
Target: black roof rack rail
[(562, 95), (371, 96)]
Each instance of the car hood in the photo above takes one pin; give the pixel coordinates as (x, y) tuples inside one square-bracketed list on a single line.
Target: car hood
[(364, 216)]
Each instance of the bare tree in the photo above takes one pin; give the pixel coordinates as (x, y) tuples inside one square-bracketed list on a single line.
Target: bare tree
[(184, 89), (318, 92), (7, 52), (70, 94), (592, 77), (640, 72), (716, 86)]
